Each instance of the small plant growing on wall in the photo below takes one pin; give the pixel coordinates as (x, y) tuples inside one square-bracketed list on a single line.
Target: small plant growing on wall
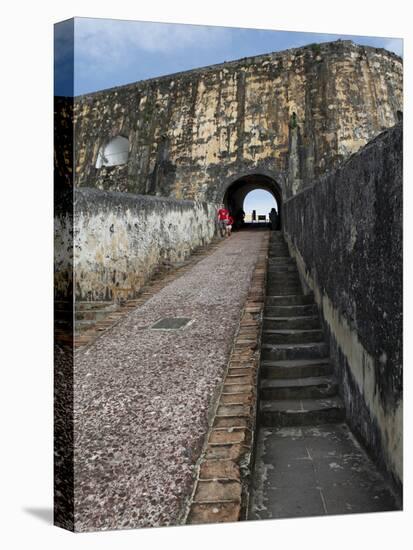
[(316, 48)]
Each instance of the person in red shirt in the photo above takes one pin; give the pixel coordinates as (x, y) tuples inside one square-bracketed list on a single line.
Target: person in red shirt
[(223, 215), (230, 222)]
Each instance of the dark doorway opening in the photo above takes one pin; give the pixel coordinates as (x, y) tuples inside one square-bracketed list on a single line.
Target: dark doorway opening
[(237, 192)]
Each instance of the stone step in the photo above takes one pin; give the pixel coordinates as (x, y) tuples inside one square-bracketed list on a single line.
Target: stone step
[(285, 277), (289, 300), (303, 322), (281, 268), (301, 412), (290, 311), (283, 280), (81, 306), (278, 251), (296, 368), (93, 315), (280, 288), (82, 324), (315, 387), (283, 261), (290, 274), (292, 336), (309, 350), (284, 290), (275, 283)]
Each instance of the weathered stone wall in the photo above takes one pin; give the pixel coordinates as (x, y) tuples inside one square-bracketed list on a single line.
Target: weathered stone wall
[(63, 195), (190, 134), (346, 233), (119, 239), (63, 432)]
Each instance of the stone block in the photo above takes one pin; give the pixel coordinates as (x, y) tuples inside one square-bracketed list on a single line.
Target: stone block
[(219, 469), (214, 513), (239, 379), (236, 398), (226, 437), (224, 452), (230, 388), (216, 491), (230, 422), (239, 370), (233, 410)]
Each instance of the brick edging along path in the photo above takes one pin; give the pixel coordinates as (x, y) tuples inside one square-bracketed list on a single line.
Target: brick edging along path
[(221, 486)]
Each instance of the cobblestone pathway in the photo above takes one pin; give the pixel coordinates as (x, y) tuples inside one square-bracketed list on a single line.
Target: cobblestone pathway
[(142, 396)]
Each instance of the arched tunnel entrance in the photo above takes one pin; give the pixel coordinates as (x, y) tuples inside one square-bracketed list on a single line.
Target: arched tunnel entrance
[(237, 192)]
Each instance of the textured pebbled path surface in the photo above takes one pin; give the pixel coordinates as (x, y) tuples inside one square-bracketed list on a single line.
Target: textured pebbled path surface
[(142, 396)]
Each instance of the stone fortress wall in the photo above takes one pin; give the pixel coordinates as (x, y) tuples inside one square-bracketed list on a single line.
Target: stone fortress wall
[(294, 114), (291, 116), (121, 239), (345, 232), (301, 118)]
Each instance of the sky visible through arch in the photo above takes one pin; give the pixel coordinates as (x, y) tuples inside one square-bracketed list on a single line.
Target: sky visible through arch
[(259, 200), (110, 52)]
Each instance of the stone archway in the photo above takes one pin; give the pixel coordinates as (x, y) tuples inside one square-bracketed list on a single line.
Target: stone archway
[(237, 191)]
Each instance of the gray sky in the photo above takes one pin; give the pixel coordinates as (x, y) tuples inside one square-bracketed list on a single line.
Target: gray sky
[(259, 200), (110, 52)]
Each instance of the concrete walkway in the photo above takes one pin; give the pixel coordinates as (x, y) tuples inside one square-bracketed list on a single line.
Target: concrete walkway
[(314, 471), (142, 396)]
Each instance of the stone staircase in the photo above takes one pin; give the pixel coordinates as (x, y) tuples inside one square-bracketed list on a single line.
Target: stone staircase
[(307, 462), (87, 314), (297, 386)]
